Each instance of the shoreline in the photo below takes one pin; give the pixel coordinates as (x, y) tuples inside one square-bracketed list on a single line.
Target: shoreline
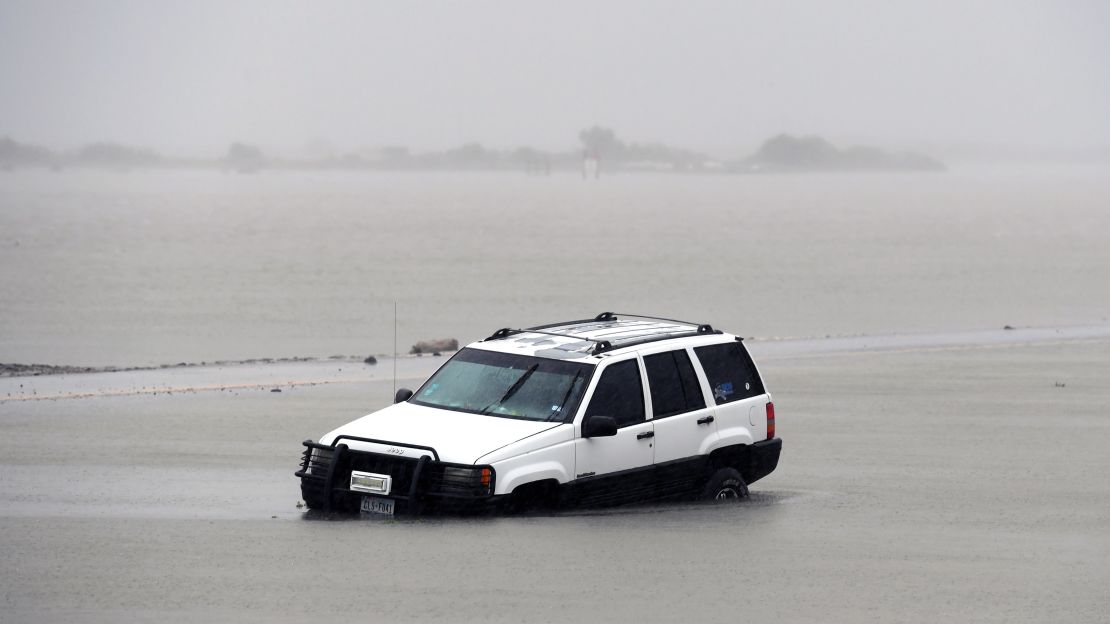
[(281, 374), (806, 345), (37, 370)]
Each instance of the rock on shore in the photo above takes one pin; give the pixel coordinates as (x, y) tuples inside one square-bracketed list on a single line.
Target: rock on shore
[(435, 346)]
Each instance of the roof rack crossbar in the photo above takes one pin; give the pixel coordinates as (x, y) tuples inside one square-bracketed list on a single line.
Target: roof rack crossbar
[(505, 332), (602, 345), (563, 324), (612, 316), (657, 338)]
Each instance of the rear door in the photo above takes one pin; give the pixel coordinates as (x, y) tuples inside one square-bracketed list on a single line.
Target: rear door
[(684, 424), (616, 468)]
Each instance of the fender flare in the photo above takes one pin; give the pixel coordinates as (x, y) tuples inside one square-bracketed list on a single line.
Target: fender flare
[(732, 436), (525, 474)]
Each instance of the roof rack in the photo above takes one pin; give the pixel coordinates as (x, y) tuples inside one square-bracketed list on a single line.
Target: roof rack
[(600, 345), (612, 316)]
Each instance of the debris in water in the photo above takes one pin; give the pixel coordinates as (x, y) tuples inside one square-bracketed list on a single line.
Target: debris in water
[(370, 360), (1008, 327), (431, 346), (275, 390)]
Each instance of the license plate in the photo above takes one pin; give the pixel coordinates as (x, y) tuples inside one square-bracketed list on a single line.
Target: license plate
[(375, 505)]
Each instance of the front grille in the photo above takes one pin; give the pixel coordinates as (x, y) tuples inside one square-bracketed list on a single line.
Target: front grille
[(317, 460), (400, 469), (437, 480)]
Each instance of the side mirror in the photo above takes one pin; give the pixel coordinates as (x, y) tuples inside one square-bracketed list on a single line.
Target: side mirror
[(599, 427), (403, 394)]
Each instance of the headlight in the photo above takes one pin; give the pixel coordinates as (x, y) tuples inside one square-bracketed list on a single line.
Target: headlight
[(474, 481), (319, 461)]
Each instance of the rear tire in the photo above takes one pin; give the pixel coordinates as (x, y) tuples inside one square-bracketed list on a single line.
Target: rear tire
[(725, 485)]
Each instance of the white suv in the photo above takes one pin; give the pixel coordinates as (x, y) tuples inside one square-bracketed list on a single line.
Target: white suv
[(611, 410)]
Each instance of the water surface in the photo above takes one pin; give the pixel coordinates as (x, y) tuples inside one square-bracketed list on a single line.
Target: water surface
[(115, 268)]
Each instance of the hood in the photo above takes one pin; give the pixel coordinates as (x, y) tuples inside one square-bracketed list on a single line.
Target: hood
[(458, 437)]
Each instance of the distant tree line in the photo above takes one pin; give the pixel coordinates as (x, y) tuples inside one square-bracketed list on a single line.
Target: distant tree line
[(14, 154), (813, 153), (597, 144)]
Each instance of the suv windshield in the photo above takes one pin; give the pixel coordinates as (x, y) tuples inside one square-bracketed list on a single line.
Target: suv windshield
[(502, 384)]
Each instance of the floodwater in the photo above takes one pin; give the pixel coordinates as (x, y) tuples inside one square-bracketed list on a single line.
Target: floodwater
[(935, 466), (150, 268), (959, 483)]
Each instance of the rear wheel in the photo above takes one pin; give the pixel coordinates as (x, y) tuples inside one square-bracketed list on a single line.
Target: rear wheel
[(725, 485)]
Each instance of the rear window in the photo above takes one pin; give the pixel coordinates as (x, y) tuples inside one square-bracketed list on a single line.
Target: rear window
[(731, 373)]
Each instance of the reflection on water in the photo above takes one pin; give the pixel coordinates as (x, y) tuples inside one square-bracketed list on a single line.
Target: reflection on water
[(678, 511)]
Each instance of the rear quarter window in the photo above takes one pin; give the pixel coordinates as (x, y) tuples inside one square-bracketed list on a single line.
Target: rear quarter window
[(730, 372)]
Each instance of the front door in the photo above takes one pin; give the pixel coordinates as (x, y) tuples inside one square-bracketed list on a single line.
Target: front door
[(616, 469)]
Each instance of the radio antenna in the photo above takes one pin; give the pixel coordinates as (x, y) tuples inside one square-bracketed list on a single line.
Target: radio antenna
[(394, 348)]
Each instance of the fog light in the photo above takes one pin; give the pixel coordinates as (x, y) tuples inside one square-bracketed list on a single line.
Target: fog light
[(370, 482)]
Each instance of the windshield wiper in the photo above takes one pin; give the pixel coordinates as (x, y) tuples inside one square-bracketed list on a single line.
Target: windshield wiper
[(512, 389), (566, 397)]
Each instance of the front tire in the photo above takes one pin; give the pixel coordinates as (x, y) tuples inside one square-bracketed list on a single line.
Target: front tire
[(725, 485), (541, 496), (313, 497)]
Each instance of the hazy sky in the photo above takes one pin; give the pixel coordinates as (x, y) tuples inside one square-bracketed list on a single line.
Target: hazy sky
[(192, 76)]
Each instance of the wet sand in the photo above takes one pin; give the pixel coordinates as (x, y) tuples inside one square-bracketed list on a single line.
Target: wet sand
[(919, 483)]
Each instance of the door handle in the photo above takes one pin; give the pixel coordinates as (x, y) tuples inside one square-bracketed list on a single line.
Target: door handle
[(705, 420), (646, 435)]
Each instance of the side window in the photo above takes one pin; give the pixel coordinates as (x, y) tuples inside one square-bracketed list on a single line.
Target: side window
[(673, 383), (730, 371), (619, 394)]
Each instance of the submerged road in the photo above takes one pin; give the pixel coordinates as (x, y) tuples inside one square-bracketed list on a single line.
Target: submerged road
[(957, 477)]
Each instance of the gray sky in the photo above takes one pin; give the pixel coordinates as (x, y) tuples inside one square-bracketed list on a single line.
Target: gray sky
[(193, 76)]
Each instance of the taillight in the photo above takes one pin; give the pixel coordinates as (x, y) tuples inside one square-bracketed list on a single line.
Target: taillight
[(770, 420)]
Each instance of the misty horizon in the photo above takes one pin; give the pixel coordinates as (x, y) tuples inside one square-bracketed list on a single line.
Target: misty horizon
[(719, 79), (319, 148)]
